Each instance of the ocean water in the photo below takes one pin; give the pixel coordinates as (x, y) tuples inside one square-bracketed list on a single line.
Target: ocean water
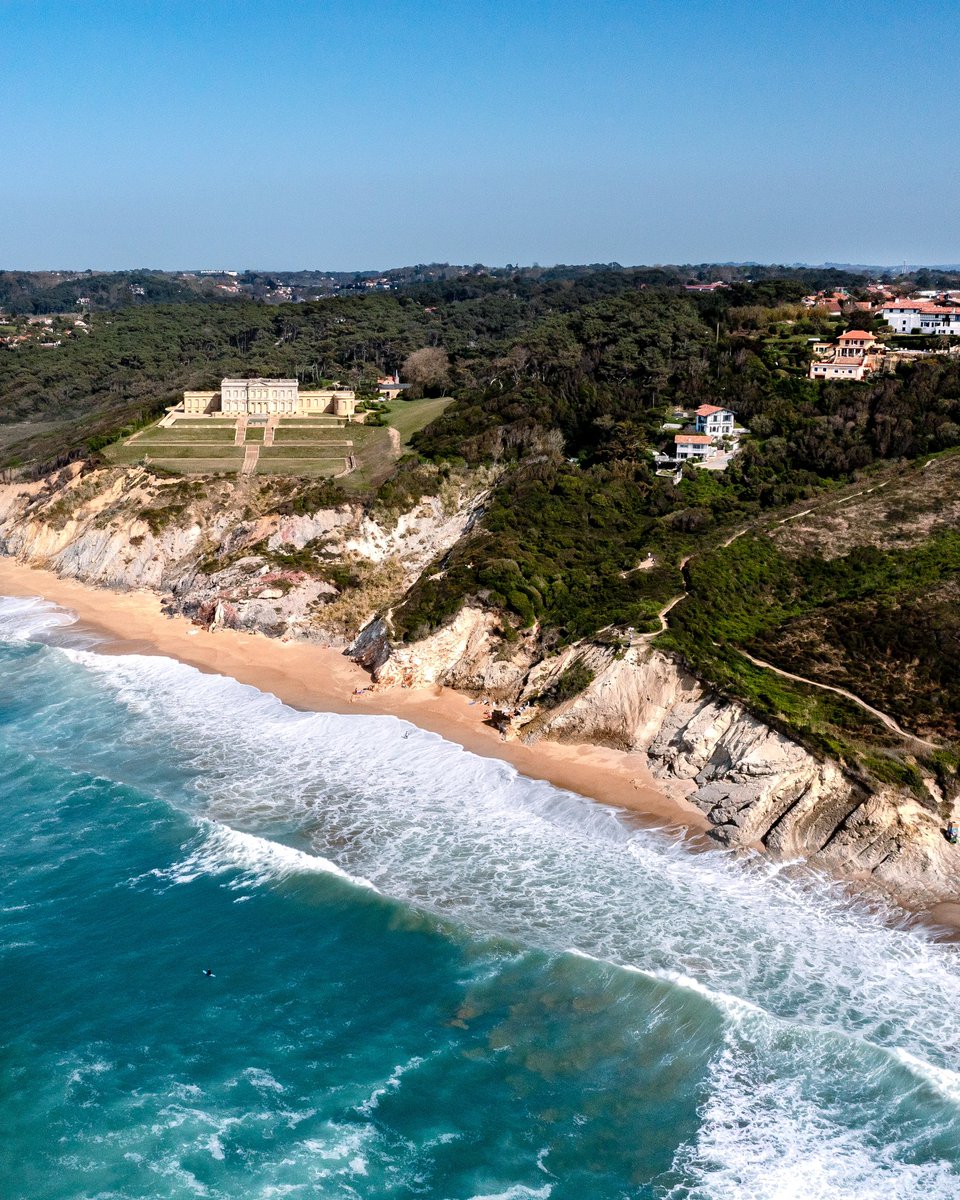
[(432, 977)]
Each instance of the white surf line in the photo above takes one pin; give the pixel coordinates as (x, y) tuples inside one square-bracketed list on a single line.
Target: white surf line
[(882, 717)]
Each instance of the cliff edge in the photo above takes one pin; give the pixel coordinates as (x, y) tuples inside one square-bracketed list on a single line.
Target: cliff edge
[(237, 553)]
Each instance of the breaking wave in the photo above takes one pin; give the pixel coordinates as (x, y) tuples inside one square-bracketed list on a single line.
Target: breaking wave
[(838, 1070)]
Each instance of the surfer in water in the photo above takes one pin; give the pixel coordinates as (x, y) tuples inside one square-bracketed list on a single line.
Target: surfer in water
[(209, 974)]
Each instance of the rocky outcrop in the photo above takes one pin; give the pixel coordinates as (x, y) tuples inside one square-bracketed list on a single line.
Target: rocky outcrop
[(127, 529), (756, 786), (218, 554)]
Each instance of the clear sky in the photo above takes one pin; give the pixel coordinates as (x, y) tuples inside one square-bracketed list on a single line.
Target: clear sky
[(372, 133)]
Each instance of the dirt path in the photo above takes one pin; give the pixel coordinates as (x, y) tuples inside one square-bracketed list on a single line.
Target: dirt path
[(662, 617), (882, 717), (662, 614), (251, 456)]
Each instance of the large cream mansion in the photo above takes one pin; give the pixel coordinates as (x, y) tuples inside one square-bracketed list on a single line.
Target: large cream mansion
[(269, 397)]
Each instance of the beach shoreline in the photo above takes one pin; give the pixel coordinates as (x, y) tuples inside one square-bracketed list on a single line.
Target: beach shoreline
[(312, 677)]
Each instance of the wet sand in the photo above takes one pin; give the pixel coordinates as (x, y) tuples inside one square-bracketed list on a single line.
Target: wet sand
[(315, 678), (311, 677)]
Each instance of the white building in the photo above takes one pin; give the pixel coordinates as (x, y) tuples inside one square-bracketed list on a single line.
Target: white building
[(717, 422), (921, 316), (269, 397), (693, 445), (844, 368), (259, 395), (854, 355)]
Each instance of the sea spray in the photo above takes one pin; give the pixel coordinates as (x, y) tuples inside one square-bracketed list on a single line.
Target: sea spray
[(795, 1042)]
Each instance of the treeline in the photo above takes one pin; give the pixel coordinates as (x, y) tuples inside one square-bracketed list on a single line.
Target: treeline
[(41, 292)]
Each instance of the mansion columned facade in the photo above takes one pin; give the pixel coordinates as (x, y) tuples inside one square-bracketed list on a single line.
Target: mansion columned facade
[(270, 397)]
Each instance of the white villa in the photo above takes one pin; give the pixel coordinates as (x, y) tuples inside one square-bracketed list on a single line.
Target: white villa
[(269, 397), (921, 316), (693, 445), (717, 422), (710, 440), (854, 355)]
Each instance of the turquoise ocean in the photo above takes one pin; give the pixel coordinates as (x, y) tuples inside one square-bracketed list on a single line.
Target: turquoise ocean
[(433, 977)]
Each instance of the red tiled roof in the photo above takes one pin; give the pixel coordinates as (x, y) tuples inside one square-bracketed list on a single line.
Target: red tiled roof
[(699, 439), (926, 307), (706, 409), (857, 334)]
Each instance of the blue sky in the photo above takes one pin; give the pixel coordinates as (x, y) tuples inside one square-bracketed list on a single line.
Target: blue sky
[(373, 133)]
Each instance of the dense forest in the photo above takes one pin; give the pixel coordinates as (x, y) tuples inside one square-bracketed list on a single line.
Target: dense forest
[(562, 380), (37, 292)]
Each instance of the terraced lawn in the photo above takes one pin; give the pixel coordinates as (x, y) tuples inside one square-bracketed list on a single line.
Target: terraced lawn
[(312, 447), (138, 451), (308, 468), (193, 431), (199, 466)]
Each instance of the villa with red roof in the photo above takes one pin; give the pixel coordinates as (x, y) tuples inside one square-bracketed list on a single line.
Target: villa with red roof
[(693, 445), (852, 356), (921, 316), (709, 441), (717, 422)]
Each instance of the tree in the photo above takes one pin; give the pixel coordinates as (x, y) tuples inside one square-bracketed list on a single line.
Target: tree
[(429, 368)]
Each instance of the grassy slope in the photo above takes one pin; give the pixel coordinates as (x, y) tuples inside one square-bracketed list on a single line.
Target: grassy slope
[(410, 416), (857, 591)]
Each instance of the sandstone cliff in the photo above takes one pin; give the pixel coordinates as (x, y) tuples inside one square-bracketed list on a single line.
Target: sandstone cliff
[(230, 552), (755, 785), (226, 551)]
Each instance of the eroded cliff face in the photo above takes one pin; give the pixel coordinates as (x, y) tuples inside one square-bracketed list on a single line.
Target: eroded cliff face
[(755, 786), (218, 554)]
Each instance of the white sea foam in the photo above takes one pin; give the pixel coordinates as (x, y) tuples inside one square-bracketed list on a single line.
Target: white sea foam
[(942, 1080), (769, 1133), (390, 1085), (519, 1191), (215, 1147), (249, 860), (24, 619), (807, 982)]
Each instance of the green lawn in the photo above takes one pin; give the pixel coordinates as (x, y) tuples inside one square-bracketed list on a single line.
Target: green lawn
[(313, 468), (410, 416), (180, 433), (155, 450), (319, 434), (309, 447), (198, 466), (307, 451)]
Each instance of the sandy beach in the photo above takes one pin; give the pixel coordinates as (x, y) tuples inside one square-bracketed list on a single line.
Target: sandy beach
[(312, 677)]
